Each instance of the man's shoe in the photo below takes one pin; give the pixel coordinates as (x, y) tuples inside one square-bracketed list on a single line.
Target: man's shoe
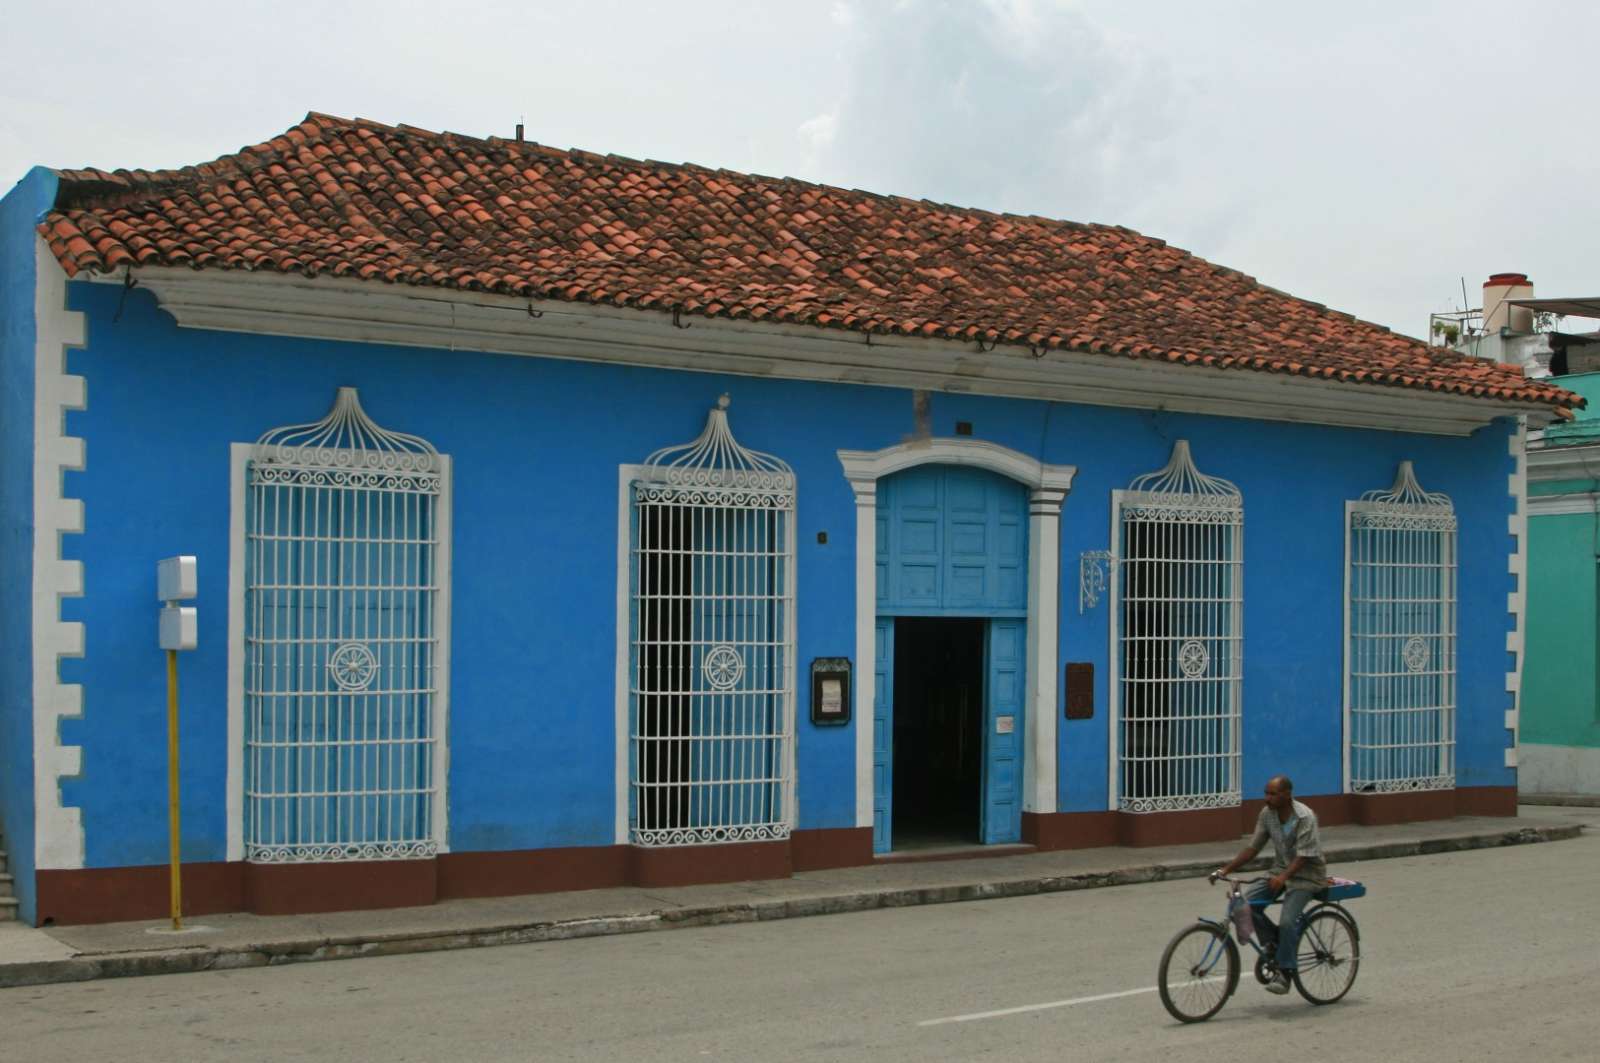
[(1279, 984)]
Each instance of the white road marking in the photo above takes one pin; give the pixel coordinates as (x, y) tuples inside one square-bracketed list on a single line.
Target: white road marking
[(1037, 1007)]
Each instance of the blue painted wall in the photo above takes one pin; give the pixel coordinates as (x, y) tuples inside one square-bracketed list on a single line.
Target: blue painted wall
[(536, 444), (1295, 481), (20, 211)]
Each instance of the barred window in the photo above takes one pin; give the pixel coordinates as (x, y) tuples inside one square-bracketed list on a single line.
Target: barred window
[(712, 627), (1179, 635), (341, 681), (1400, 639)]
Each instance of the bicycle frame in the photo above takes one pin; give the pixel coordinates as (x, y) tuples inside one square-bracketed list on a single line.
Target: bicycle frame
[(1225, 924)]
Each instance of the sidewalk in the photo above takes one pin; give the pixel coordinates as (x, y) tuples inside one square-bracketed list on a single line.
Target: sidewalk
[(80, 953)]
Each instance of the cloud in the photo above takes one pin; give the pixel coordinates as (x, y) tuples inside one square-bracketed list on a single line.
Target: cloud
[(1019, 105), (818, 132)]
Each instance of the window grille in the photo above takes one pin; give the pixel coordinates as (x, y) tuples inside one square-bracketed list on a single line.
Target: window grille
[(1400, 639), (1179, 627), (342, 550), (712, 699)]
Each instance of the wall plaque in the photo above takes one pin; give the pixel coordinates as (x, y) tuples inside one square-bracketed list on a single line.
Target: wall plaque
[(1080, 690)]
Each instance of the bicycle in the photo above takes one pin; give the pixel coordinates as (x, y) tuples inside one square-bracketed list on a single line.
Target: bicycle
[(1206, 960)]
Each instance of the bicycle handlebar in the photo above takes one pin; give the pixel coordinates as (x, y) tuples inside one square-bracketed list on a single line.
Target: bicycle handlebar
[(1214, 878)]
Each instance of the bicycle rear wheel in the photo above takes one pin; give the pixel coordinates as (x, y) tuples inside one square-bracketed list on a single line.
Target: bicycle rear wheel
[(1329, 955), (1199, 971)]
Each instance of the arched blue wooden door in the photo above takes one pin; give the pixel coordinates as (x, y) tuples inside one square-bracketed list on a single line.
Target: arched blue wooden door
[(953, 541)]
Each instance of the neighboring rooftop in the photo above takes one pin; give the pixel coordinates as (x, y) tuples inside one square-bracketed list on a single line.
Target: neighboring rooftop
[(354, 198), (1584, 306), (1584, 428)]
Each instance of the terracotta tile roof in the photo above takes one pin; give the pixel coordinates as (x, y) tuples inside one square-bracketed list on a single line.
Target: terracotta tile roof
[(347, 198)]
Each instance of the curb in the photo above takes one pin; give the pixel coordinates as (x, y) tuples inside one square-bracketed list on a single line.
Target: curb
[(1563, 800), (85, 968)]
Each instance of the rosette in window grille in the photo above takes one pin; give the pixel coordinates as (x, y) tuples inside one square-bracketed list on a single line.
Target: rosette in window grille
[(1400, 631), (341, 586), (1178, 627), (712, 627)]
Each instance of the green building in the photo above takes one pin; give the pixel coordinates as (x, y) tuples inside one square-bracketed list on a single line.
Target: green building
[(1559, 749)]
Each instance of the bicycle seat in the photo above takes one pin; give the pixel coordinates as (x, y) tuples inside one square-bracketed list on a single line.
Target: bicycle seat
[(1341, 889)]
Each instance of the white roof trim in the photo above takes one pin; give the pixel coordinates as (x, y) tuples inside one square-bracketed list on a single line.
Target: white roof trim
[(375, 312)]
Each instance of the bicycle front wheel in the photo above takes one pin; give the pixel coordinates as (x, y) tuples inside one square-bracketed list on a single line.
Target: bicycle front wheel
[(1199, 970), (1329, 955)]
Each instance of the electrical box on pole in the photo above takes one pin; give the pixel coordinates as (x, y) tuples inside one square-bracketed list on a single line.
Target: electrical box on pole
[(177, 580)]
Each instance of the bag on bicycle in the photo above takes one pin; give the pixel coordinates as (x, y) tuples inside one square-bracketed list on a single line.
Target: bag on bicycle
[(1239, 910)]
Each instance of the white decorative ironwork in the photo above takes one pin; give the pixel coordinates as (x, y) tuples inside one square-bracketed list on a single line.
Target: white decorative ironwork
[(762, 832), (346, 448), (1179, 629), (340, 677), (303, 854), (723, 667), (1193, 659), (1179, 803), (712, 622), (1400, 638), (716, 470), (1092, 566), (352, 666), (1405, 497), (1179, 491), (1395, 786)]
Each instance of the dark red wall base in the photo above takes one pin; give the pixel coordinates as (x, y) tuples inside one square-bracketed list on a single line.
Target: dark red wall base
[(1381, 810), (1069, 830), (1486, 801), (507, 874), (114, 894), (692, 865), (1141, 830), (1373, 810), (819, 850), (298, 889)]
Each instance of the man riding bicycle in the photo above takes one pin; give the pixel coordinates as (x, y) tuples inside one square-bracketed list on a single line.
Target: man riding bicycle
[(1298, 872)]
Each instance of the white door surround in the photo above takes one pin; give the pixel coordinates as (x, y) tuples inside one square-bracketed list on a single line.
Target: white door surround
[(1048, 486)]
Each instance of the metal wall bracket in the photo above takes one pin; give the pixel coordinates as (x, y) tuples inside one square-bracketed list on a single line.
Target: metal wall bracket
[(1092, 568)]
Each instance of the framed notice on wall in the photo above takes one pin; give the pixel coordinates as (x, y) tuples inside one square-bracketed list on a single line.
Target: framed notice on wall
[(830, 691)]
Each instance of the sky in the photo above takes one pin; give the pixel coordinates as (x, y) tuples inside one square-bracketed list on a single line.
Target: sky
[(1369, 156)]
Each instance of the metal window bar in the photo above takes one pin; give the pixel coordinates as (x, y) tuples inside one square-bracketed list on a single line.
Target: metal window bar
[(1180, 633), (341, 545), (1401, 638), (712, 627)]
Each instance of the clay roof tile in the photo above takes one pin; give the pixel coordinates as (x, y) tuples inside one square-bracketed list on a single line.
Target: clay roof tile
[(406, 205)]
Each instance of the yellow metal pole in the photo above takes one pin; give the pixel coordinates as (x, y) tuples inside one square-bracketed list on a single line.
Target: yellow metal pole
[(172, 786)]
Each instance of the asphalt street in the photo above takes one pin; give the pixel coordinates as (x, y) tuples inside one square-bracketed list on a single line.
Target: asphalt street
[(1491, 954)]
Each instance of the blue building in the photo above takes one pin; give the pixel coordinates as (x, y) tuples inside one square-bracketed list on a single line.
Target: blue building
[(564, 520)]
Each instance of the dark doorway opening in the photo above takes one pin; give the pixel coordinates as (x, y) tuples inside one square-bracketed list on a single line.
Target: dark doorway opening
[(938, 731)]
